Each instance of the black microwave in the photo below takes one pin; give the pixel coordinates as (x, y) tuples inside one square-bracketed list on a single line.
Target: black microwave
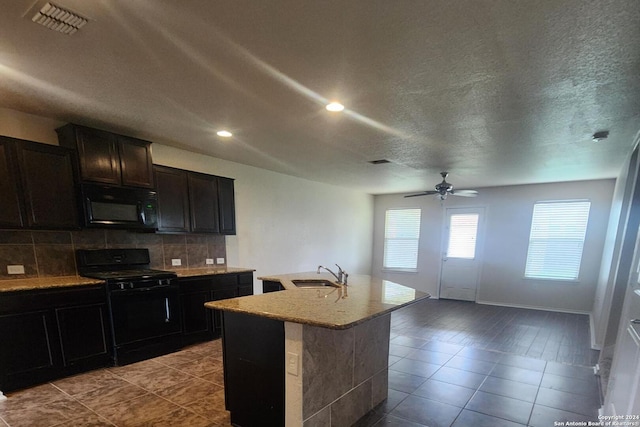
[(118, 207)]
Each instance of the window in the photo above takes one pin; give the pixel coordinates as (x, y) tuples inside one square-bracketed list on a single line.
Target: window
[(556, 240), (463, 229), (401, 236)]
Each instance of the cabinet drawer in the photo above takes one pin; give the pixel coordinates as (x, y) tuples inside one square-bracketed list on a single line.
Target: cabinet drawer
[(21, 301)]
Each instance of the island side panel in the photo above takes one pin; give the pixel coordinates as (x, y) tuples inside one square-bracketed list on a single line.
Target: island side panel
[(293, 378), (344, 372), (253, 369)]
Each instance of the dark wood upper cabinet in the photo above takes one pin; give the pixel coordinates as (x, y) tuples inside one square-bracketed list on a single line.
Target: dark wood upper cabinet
[(196, 202), (47, 173), (11, 214), (135, 162), (109, 158), (37, 185), (98, 153), (226, 204), (203, 203), (173, 199)]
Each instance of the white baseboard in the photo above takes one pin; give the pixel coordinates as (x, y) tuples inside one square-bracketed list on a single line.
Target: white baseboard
[(533, 307), (2, 396)]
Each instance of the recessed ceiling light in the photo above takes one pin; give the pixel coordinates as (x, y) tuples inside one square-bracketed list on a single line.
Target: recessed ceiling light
[(335, 107), (224, 133)]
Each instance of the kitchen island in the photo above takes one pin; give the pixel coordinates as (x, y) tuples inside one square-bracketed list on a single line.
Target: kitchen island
[(312, 356)]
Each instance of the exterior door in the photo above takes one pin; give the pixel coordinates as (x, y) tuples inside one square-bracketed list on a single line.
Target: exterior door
[(460, 265)]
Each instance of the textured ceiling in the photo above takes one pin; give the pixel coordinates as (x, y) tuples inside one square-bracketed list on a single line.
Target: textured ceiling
[(496, 92)]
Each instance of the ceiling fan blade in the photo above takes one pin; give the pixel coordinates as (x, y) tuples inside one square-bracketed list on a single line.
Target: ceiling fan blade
[(464, 193), (424, 193)]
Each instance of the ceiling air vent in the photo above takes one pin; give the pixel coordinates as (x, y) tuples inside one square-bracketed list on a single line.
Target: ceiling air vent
[(59, 19), (379, 162)]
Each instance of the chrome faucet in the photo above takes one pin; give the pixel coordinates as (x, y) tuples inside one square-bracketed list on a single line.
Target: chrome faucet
[(341, 276)]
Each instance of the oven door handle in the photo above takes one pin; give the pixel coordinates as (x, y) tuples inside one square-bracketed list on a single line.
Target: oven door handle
[(167, 318), (147, 289)]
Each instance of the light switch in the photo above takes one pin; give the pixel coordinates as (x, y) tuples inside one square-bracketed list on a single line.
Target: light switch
[(209, 261), (176, 262), (219, 260), (15, 269), (292, 363)]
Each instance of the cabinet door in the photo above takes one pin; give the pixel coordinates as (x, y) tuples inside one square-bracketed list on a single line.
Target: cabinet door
[(83, 335), (196, 318), (47, 173), (227, 206), (203, 203), (135, 162), (30, 352), (11, 212), (98, 152), (173, 199)]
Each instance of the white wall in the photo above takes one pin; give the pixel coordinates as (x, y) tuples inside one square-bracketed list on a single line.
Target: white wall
[(508, 213), (285, 224)]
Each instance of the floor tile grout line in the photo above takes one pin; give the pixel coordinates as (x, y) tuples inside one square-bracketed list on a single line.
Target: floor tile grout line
[(82, 404)]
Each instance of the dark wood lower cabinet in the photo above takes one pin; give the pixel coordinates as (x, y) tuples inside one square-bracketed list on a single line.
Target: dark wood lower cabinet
[(29, 354), (52, 334), (269, 286), (200, 323), (83, 335), (254, 370)]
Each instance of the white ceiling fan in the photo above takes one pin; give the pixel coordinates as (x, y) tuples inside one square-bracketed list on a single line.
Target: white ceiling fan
[(444, 189)]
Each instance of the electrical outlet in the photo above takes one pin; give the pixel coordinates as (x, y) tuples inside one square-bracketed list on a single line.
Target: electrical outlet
[(292, 363), (176, 262), (209, 261), (219, 260), (15, 269)]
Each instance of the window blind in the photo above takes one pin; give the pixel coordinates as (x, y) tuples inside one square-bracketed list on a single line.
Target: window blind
[(401, 238), (556, 241), (463, 229)]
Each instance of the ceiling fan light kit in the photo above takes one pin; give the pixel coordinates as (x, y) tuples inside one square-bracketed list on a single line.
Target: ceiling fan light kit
[(445, 189)]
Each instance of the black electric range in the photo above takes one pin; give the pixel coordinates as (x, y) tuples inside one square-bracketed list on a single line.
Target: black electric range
[(144, 303)]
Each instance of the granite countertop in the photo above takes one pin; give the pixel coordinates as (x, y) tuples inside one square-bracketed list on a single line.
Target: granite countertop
[(35, 283), (46, 282), (211, 271), (342, 307)]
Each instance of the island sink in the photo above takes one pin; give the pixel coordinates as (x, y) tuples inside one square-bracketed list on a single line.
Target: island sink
[(314, 283)]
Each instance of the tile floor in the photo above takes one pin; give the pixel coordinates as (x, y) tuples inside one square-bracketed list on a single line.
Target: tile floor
[(179, 389), (458, 364), (451, 364)]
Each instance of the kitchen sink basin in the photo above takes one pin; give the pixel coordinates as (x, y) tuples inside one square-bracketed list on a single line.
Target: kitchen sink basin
[(314, 283)]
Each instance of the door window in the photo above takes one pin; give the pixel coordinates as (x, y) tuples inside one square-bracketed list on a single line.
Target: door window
[(463, 230)]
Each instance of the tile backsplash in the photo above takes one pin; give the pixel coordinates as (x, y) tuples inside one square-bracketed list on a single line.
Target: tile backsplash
[(52, 253)]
